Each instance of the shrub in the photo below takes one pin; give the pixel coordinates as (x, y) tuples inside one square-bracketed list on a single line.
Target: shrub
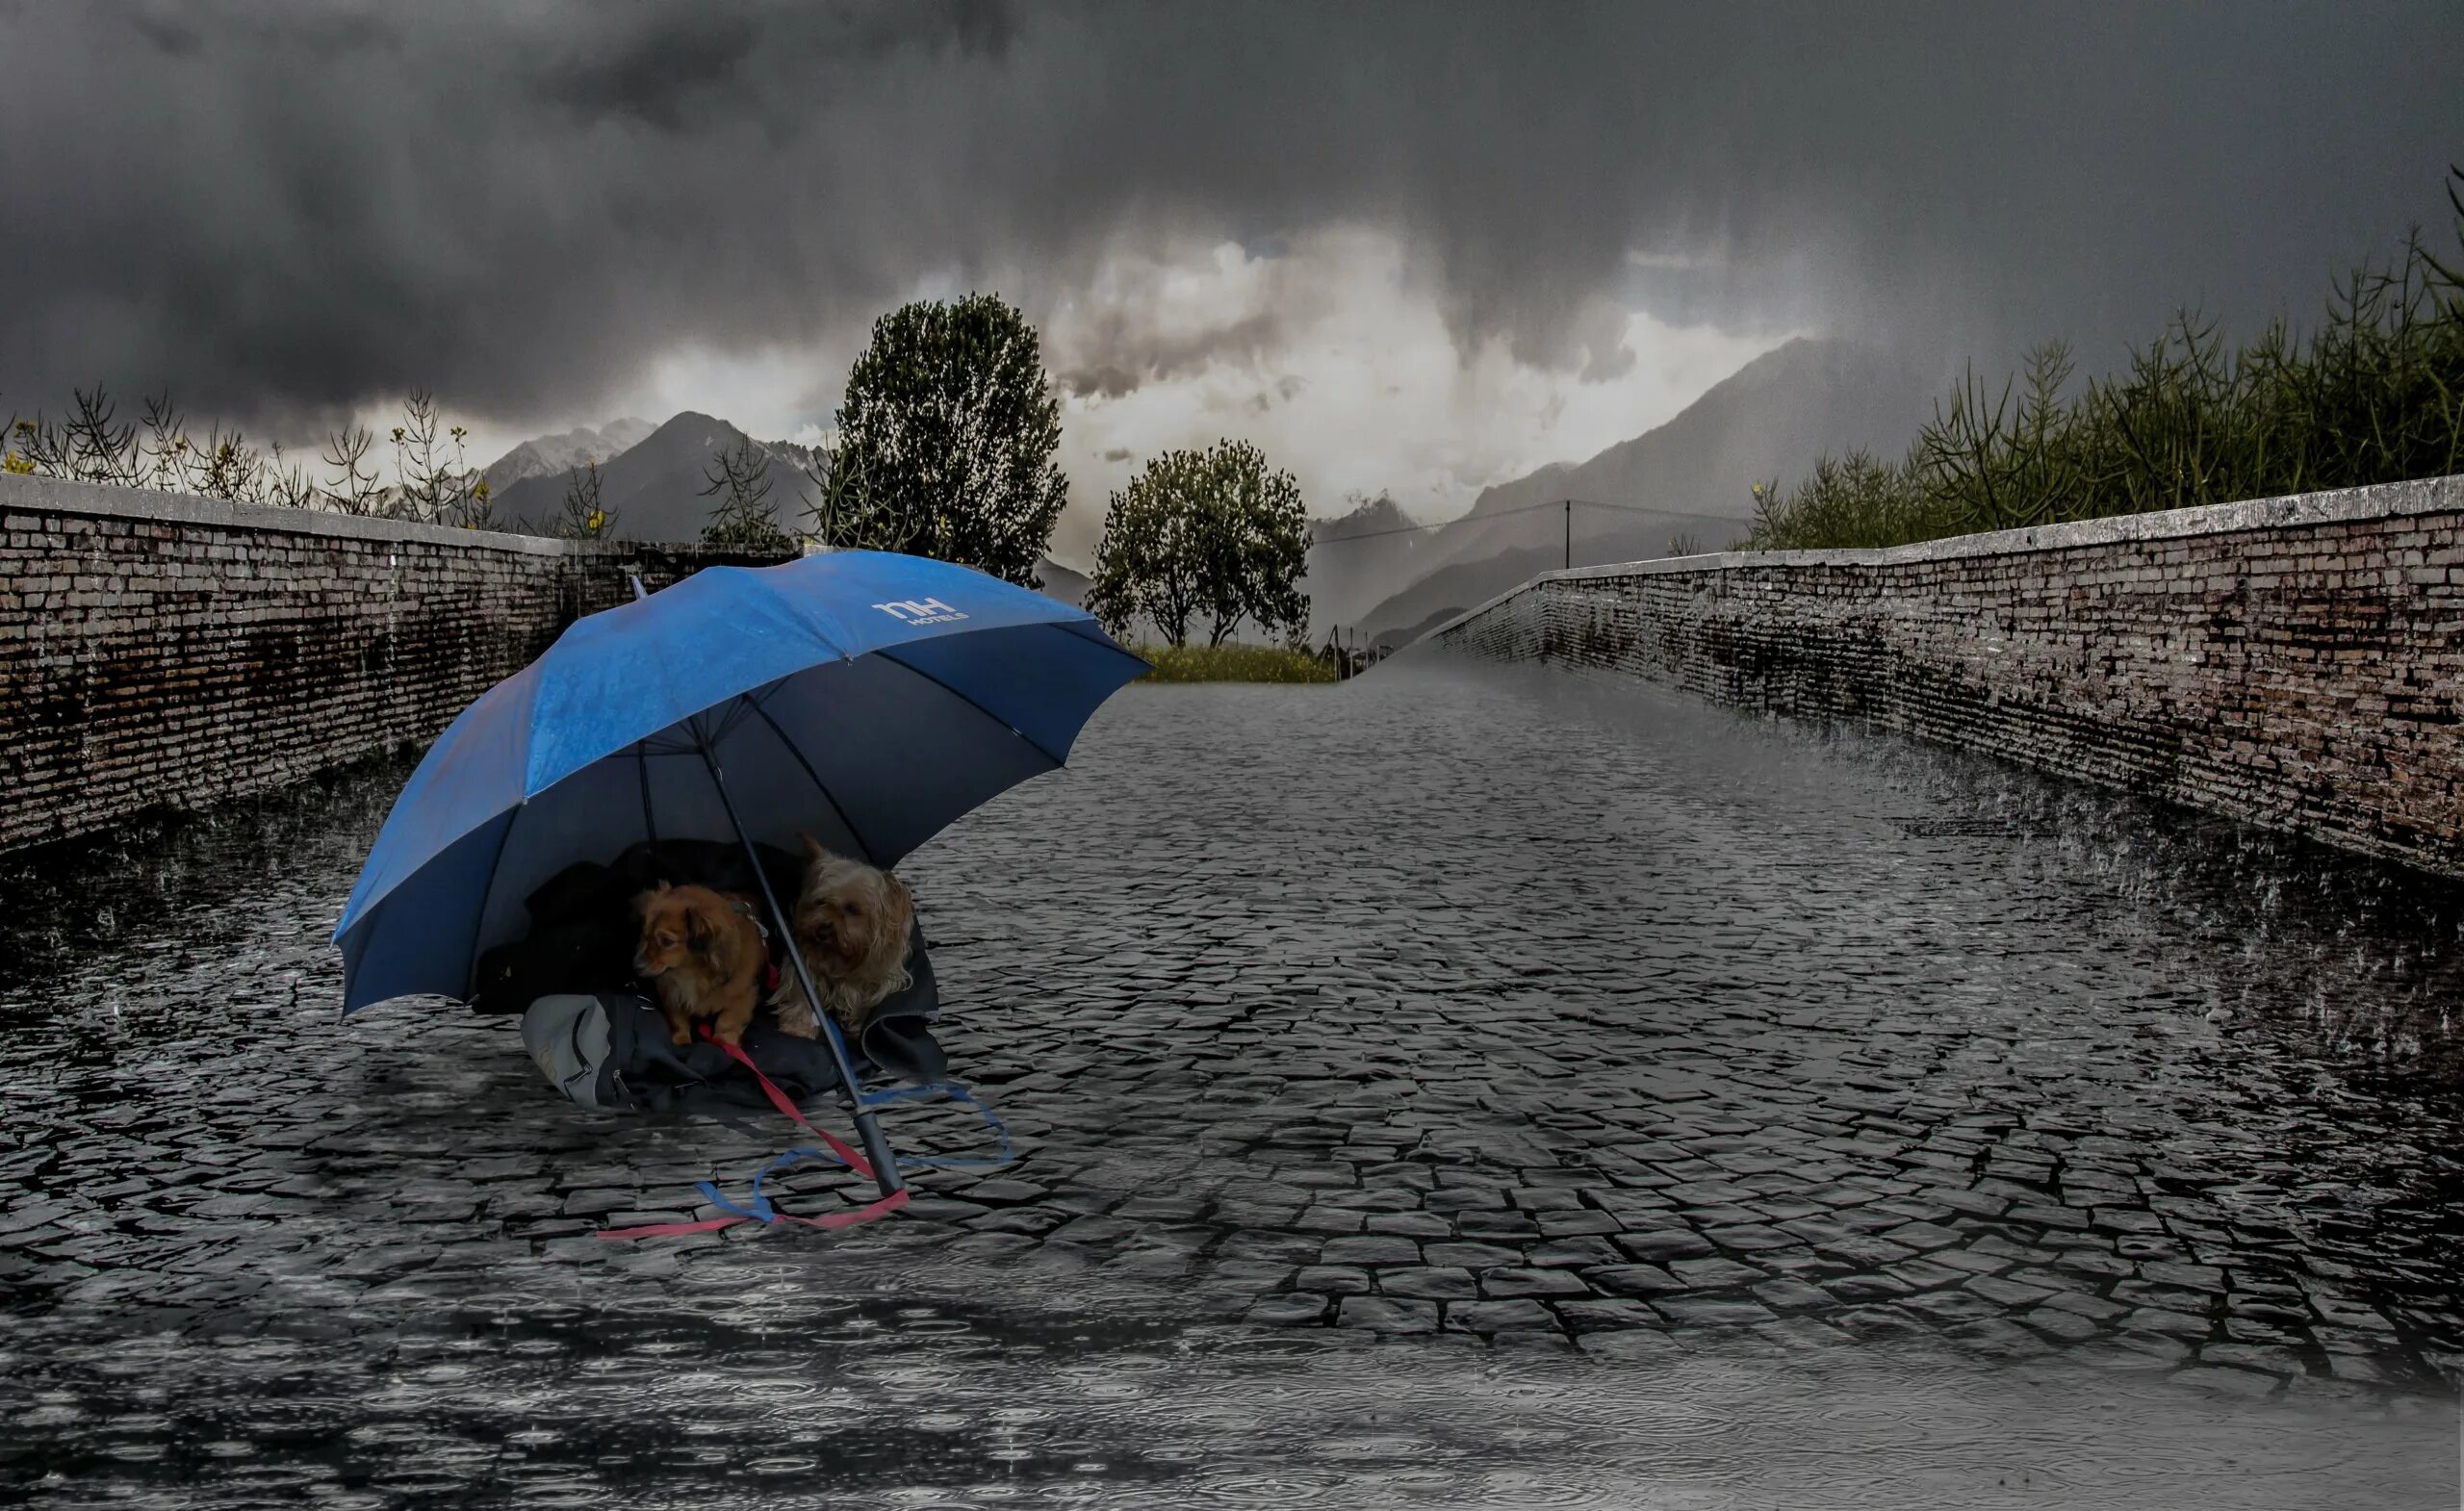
[(2376, 394), (1235, 663)]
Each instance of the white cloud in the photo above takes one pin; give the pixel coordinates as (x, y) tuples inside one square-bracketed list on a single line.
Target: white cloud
[(1338, 363)]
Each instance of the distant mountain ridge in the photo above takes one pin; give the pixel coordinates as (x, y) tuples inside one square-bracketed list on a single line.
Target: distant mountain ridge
[(654, 487), (1358, 559), (554, 456), (1686, 486)]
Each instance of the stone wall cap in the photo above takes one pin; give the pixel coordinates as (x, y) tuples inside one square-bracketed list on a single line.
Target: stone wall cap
[(108, 501), (2333, 506)]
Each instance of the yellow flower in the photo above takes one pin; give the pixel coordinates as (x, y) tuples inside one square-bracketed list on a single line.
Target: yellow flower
[(597, 519), (12, 462), (480, 492)]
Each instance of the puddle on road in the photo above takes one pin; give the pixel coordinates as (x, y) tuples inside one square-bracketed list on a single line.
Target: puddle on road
[(1139, 1416)]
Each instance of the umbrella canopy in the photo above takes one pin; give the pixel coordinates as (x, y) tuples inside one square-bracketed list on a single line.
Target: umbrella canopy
[(865, 697)]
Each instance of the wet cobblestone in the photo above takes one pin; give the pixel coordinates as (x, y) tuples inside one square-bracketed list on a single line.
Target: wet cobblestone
[(1492, 1008)]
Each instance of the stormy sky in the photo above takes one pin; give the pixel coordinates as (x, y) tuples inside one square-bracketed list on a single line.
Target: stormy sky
[(1420, 246)]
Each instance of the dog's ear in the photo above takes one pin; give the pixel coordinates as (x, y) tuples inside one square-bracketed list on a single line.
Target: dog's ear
[(697, 929), (814, 849)]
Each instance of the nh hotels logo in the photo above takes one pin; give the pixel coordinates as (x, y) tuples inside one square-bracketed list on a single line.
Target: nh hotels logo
[(927, 611)]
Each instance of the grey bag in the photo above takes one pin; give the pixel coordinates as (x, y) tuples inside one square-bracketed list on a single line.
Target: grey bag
[(566, 1038)]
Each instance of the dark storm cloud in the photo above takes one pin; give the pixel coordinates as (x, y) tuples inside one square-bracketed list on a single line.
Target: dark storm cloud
[(281, 209)]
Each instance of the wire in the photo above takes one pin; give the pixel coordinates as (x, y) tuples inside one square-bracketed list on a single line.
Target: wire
[(1501, 514)]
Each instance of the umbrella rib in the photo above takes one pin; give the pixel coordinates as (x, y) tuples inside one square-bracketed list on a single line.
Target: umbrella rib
[(642, 768), (487, 894), (972, 704), (818, 785)]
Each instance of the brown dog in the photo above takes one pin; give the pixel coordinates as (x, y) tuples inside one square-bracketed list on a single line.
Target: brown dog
[(705, 956), (852, 922)]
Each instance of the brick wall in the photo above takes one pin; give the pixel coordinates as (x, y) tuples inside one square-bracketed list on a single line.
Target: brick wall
[(2293, 662), (162, 650)]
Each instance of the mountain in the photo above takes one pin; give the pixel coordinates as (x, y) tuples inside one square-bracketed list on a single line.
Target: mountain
[(1359, 559), (554, 456), (1771, 419), (655, 486)]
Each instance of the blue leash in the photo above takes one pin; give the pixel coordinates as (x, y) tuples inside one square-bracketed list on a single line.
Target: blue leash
[(760, 1211), (956, 1093)]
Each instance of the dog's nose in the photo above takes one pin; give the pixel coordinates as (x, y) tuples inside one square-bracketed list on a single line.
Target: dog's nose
[(641, 967)]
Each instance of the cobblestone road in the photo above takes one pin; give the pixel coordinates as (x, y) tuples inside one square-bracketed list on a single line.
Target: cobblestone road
[(1481, 1009)]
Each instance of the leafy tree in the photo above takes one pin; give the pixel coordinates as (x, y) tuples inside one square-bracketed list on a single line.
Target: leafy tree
[(1212, 533), (1254, 543), (745, 518), (945, 441), (584, 516), (1145, 564)]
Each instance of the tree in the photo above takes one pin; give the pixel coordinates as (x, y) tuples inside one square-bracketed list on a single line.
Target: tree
[(945, 441), (102, 449), (1213, 533), (1145, 564), (174, 459), (354, 489), (745, 518), (471, 502), (438, 489), (425, 478), (584, 516), (1253, 537), (231, 468)]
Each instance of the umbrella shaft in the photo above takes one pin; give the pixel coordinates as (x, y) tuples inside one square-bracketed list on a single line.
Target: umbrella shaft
[(868, 1129)]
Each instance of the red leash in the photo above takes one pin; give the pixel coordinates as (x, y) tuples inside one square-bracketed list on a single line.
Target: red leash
[(778, 1099)]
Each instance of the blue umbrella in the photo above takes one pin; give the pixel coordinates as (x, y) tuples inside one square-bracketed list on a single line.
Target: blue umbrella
[(867, 697)]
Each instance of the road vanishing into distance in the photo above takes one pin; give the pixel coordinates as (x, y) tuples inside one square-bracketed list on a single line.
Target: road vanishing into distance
[(1465, 1086)]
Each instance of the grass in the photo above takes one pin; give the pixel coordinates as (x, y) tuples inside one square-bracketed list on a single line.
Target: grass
[(2375, 394), (1233, 663)]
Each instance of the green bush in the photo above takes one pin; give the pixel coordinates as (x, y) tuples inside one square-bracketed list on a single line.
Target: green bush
[(2376, 395), (1233, 663)]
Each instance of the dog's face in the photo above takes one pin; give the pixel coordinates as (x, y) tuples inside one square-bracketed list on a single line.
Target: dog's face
[(677, 926), (851, 916)]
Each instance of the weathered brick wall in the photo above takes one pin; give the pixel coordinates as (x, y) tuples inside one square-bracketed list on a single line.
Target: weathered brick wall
[(162, 650), (2293, 662)]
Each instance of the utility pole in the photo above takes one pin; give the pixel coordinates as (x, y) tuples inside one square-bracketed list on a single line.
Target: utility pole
[(1570, 534)]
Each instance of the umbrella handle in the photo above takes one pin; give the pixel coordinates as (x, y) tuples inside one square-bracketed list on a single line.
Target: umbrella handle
[(868, 1128)]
